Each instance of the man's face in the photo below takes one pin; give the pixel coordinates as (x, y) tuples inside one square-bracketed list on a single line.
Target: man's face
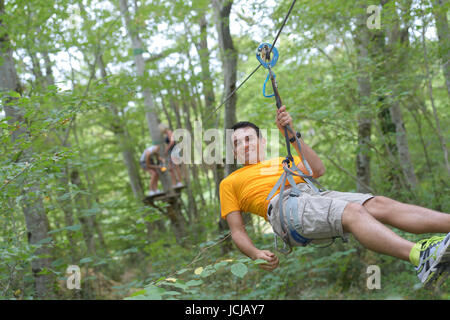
[(248, 147)]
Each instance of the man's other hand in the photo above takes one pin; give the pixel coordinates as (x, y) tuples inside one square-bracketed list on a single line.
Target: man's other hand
[(271, 258)]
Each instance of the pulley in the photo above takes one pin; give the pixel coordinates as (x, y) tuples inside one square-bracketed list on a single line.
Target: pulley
[(263, 55)]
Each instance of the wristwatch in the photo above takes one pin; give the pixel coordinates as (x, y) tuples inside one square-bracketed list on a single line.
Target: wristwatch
[(293, 138)]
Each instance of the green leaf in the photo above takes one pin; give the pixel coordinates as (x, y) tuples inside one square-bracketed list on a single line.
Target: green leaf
[(208, 271), (57, 262), (160, 279), (139, 297), (182, 271), (193, 283), (153, 292), (178, 285), (14, 94), (45, 240), (171, 293), (74, 227), (131, 250), (153, 296), (220, 264), (101, 262), (239, 269), (138, 293), (86, 260), (16, 156)]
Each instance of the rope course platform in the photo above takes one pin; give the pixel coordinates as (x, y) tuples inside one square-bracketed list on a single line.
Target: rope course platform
[(149, 200)]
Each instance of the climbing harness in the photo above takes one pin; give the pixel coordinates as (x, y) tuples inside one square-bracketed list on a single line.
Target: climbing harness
[(288, 216)]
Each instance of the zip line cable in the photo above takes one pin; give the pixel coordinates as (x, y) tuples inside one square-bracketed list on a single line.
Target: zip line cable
[(232, 93), (253, 72), (282, 26)]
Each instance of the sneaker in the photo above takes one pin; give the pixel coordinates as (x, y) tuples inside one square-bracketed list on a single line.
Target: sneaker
[(154, 193), (434, 256)]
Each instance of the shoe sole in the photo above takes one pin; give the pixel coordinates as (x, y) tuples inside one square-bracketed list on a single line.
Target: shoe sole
[(445, 252), (441, 262), (438, 276)]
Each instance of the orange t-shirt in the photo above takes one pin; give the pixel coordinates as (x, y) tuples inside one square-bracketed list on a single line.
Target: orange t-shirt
[(247, 188)]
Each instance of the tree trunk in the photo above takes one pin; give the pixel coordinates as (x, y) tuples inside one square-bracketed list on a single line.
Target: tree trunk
[(166, 111), (222, 10), (207, 82), (67, 208), (208, 87), (190, 168), (36, 221), (120, 131), (361, 38), (387, 51), (83, 203), (433, 106), (440, 8), (66, 205), (397, 49), (402, 145), (176, 109), (87, 227), (150, 113)]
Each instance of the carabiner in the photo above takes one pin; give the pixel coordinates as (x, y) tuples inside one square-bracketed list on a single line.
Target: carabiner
[(261, 53)]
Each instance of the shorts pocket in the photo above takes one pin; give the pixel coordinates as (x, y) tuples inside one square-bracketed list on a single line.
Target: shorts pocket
[(315, 222)]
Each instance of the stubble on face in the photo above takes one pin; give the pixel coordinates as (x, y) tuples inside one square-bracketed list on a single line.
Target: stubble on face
[(247, 146)]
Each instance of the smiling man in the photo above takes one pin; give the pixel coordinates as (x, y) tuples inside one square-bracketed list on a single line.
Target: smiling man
[(327, 214)]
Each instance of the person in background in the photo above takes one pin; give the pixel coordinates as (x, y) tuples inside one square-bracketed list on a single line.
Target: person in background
[(151, 162), (170, 154)]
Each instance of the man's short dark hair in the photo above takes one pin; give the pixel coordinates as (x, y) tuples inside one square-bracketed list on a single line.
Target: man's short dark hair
[(246, 124)]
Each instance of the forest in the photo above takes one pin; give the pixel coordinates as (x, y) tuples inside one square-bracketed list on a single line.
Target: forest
[(86, 86)]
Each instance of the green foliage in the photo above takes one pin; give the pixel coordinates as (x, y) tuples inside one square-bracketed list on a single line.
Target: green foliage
[(69, 162)]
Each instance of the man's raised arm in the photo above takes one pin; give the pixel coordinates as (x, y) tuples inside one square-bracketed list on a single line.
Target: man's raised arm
[(245, 244), (284, 118)]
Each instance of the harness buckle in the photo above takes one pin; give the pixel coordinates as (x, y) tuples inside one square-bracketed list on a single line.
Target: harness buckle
[(287, 161), (295, 192), (284, 250)]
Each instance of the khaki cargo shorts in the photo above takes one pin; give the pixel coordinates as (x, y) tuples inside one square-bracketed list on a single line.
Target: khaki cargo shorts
[(319, 216)]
